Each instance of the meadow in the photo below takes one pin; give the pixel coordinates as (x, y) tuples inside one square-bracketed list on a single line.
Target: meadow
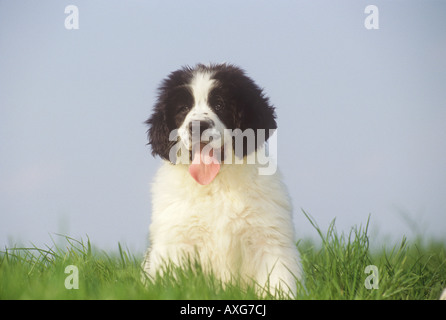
[(339, 266)]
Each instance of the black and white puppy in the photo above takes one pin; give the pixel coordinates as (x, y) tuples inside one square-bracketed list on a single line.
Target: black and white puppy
[(213, 199)]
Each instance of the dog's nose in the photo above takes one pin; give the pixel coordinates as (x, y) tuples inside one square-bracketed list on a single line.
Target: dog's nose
[(199, 126)]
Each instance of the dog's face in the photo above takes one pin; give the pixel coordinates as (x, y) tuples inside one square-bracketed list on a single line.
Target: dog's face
[(209, 104)]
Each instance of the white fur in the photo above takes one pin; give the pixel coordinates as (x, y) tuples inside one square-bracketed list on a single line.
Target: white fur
[(239, 225)]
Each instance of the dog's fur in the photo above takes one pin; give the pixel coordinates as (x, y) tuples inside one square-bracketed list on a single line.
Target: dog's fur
[(238, 226)]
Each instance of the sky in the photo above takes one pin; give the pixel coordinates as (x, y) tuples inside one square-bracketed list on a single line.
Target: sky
[(361, 112)]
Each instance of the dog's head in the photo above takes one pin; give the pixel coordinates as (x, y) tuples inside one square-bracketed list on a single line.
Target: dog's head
[(209, 107)]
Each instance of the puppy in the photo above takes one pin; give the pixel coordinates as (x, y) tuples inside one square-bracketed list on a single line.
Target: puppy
[(217, 197)]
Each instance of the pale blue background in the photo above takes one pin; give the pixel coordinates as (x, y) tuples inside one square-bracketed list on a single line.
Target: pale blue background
[(361, 113)]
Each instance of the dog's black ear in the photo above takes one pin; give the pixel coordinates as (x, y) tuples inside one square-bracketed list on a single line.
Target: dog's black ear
[(162, 122), (254, 111), (158, 133), (256, 114)]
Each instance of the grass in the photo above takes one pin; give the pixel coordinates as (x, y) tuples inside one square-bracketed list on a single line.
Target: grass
[(334, 269)]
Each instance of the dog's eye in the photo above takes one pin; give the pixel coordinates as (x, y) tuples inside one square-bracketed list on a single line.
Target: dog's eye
[(184, 108), (218, 107), (217, 103)]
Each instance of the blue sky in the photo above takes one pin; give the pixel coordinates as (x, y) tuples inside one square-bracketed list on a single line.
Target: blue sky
[(361, 113)]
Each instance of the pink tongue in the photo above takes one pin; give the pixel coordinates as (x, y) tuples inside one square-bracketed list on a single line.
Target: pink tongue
[(204, 168)]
